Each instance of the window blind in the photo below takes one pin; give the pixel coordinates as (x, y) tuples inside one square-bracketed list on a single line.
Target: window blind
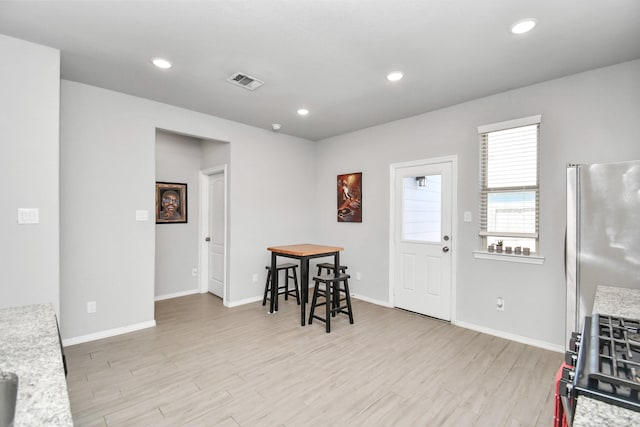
[(509, 194)]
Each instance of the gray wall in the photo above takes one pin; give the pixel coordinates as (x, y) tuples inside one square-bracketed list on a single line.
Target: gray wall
[(178, 159), (214, 153), (588, 117), (29, 124), (281, 191), (107, 146)]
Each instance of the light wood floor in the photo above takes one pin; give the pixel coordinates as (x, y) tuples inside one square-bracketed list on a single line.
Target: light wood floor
[(207, 365)]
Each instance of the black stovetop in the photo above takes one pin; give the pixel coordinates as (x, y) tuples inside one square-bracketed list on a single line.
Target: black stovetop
[(608, 367)]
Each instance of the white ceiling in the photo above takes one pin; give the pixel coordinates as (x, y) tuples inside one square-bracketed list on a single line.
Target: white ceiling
[(330, 56)]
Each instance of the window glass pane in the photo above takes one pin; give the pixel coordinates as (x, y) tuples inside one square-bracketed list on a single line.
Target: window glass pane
[(421, 209), (512, 157), (512, 212)]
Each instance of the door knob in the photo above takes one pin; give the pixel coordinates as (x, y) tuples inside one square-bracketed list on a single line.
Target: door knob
[(207, 239), (445, 249)]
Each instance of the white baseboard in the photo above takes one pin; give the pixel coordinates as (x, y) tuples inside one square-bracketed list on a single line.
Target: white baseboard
[(518, 338), (501, 334), (177, 294), (108, 333), (242, 302), (372, 301)]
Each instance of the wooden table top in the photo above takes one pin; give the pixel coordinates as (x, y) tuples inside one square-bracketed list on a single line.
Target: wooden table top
[(304, 249)]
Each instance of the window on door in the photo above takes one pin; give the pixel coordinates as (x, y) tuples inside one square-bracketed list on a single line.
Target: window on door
[(422, 208), (509, 178)]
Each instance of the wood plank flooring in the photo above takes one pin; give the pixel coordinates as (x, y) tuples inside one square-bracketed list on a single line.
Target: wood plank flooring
[(208, 365)]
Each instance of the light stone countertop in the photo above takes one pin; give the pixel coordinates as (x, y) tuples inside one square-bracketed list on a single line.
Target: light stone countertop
[(620, 302), (30, 348), (594, 413)]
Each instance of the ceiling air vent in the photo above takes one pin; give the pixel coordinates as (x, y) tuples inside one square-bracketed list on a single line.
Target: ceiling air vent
[(245, 81)]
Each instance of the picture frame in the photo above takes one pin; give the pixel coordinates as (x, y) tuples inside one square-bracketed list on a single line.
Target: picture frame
[(350, 197), (171, 203)]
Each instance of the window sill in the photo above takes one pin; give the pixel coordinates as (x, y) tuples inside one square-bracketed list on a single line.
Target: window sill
[(525, 259)]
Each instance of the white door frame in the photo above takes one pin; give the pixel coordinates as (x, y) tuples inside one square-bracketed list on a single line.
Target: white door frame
[(454, 222), (204, 229)]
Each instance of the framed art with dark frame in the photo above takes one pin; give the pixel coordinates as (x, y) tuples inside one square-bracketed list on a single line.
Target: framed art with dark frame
[(171, 203), (350, 197)]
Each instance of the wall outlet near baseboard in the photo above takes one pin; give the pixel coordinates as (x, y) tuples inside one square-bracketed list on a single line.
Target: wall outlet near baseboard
[(358, 275), (91, 307), (194, 271), (500, 304), (255, 278)]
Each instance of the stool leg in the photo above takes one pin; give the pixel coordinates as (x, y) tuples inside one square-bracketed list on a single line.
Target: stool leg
[(295, 283), (327, 307), (276, 287), (286, 285), (313, 302), (336, 298), (348, 297), (266, 288)]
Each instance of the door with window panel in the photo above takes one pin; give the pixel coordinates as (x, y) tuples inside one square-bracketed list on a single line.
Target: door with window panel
[(423, 250)]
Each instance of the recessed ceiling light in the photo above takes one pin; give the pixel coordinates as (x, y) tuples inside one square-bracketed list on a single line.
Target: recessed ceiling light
[(303, 111), (395, 76), (523, 26), (161, 63)]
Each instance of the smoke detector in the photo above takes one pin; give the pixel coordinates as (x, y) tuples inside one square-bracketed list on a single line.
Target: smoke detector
[(245, 81)]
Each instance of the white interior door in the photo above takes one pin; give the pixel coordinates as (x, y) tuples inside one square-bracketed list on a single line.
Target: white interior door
[(422, 239), (216, 234)]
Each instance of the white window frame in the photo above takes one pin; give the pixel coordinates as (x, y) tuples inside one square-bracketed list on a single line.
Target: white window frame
[(534, 258)]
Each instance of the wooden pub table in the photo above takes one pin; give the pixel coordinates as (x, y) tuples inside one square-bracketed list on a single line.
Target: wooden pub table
[(304, 252)]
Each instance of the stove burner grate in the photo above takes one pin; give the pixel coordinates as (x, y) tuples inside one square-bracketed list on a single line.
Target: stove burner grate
[(618, 370)]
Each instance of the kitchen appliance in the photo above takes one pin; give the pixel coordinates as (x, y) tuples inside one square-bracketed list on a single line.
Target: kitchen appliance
[(604, 363), (603, 234)]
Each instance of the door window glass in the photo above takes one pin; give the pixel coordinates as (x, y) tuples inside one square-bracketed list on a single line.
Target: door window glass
[(422, 208)]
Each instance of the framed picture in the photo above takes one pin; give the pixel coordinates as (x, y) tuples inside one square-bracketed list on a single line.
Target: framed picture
[(171, 203), (350, 197)]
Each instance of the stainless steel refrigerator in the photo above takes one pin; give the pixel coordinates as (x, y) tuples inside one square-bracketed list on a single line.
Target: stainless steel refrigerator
[(603, 234)]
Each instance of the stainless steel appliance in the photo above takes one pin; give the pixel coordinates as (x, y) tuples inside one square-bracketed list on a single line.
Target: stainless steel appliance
[(603, 234)]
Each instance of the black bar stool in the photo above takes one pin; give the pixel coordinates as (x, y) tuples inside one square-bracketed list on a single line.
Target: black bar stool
[(329, 266), (331, 293), (290, 273)]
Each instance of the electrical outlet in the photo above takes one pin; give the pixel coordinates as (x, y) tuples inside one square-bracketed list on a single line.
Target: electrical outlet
[(255, 278), (358, 275), (194, 271), (500, 304), (91, 307)]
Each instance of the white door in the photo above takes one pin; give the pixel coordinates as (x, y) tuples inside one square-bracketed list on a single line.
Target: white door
[(216, 235), (422, 239)]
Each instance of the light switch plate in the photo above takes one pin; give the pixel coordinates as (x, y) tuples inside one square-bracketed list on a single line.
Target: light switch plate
[(28, 216), (142, 215)]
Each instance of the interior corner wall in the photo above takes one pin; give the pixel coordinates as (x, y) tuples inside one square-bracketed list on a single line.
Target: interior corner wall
[(107, 155), (588, 117), (178, 160), (29, 125), (214, 153)]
